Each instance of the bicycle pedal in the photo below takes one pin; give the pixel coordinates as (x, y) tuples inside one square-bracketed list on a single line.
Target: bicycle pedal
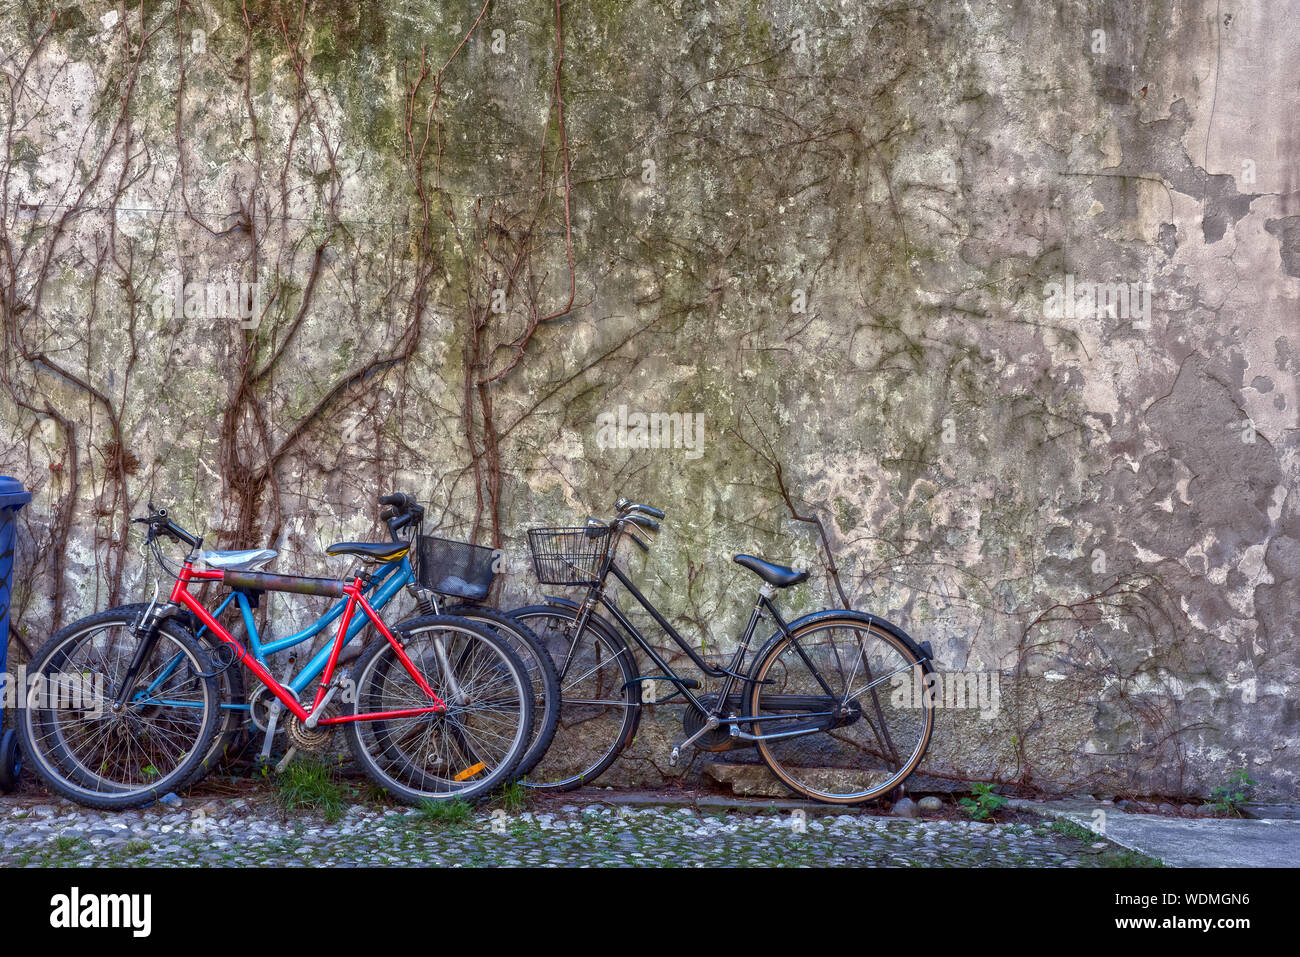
[(672, 758)]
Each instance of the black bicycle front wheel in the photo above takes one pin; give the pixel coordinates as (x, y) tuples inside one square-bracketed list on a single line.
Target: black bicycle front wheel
[(600, 704), (157, 743), (839, 675)]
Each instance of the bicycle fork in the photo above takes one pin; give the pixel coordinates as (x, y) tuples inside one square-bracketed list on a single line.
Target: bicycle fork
[(146, 631)]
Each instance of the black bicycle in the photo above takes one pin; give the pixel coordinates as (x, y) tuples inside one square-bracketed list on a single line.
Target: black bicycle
[(816, 702)]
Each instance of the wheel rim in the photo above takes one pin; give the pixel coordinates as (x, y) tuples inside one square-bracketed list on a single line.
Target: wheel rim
[(76, 738), (594, 704), (870, 750), (482, 730), (533, 668)]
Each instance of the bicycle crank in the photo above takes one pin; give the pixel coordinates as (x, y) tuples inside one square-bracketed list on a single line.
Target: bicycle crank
[(716, 738)]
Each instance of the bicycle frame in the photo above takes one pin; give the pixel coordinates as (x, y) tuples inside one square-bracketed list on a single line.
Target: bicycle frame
[(730, 673), (385, 583), (353, 596)]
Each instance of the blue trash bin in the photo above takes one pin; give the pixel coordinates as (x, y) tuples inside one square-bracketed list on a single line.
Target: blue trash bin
[(12, 498)]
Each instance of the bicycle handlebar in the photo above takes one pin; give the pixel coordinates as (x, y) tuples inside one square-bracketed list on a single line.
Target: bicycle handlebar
[(625, 506), (642, 521), (400, 510), (630, 516), (160, 524)]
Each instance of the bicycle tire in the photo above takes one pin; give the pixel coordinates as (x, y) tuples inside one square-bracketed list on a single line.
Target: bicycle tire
[(47, 750), (554, 771), (762, 670), (389, 737), (541, 672)]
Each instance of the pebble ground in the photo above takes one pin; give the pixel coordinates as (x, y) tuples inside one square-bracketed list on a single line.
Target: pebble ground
[(242, 832)]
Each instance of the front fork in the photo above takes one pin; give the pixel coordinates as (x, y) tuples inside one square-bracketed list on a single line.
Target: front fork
[(146, 631), (427, 602)]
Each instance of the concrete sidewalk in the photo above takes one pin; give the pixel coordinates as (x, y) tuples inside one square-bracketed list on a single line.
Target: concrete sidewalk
[(1185, 842)]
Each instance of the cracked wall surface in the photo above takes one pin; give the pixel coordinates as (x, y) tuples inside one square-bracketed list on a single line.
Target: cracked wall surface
[(831, 229)]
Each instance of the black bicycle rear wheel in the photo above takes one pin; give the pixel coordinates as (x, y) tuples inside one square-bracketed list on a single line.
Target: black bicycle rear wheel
[(849, 668)]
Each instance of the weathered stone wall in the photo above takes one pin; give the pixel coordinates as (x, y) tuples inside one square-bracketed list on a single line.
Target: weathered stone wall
[(831, 229)]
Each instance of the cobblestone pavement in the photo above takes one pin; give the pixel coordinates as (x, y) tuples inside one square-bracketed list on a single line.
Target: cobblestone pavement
[(241, 832)]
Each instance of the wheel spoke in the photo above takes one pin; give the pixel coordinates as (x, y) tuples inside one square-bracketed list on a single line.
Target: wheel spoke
[(596, 702)]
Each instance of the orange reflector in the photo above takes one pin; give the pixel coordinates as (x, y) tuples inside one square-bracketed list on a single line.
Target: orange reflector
[(470, 771)]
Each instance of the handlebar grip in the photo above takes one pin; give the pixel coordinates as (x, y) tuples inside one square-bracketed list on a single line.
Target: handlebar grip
[(160, 524), (397, 499), (653, 512), (181, 535), (643, 521)]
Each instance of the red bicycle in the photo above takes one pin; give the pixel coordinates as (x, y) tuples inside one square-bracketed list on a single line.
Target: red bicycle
[(440, 708)]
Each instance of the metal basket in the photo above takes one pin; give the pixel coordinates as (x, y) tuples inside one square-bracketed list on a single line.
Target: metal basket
[(566, 556), (456, 569)]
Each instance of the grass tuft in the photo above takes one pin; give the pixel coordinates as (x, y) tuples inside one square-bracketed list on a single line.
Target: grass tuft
[(514, 797), (452, 813), (309, 784)]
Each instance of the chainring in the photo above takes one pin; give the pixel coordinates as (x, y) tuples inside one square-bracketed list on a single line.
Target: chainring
[(719, 739), (259, 707), (311, 739)]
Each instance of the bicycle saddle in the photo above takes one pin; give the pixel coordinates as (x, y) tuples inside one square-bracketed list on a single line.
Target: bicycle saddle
[(778, 575), (245, 560), (371, 551)]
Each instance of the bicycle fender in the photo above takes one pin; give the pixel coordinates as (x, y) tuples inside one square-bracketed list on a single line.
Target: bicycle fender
[(596, 619), (921, 650)]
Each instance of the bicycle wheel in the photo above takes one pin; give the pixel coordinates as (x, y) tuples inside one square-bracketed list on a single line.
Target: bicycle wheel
[(543, 677), (230, 682), (155, 745), (849, 668), (464, 752), (600, 704)]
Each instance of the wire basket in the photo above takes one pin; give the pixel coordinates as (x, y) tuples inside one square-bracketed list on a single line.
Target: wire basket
[(455, 569), (566, 556)]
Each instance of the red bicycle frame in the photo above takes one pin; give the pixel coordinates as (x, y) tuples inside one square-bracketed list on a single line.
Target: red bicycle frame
[(181, 596)]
